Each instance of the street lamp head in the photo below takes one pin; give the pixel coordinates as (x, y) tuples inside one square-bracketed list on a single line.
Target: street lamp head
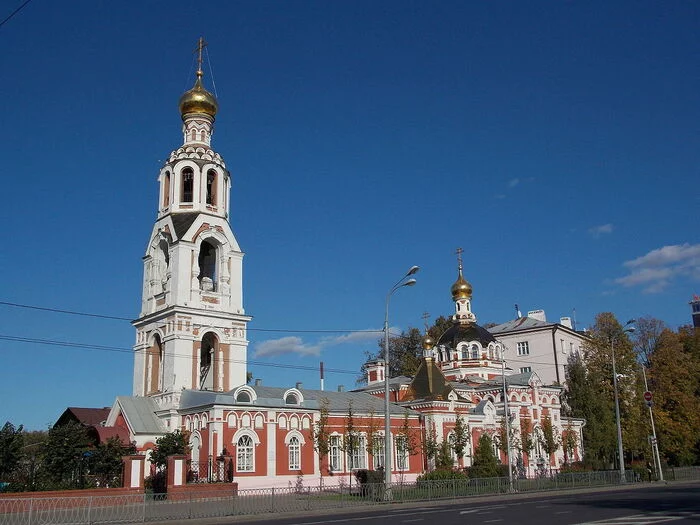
[(410, 282), (412, 270), (630, 329)]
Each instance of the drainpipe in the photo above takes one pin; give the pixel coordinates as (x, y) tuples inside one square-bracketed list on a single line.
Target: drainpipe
[(554, 347)]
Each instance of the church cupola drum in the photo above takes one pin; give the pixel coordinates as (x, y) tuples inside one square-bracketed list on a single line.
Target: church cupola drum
[(191, 333)]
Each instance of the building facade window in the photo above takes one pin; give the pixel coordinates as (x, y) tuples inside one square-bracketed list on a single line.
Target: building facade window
[(401, 452), (244, 454), (357, 457), (294, 454), (525, 369), (335, 456), (378, 452), (523, 348), (211, 187)]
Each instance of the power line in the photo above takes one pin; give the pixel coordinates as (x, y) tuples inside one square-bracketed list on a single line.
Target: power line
[(119, 318), (118, 349), (13, 13)]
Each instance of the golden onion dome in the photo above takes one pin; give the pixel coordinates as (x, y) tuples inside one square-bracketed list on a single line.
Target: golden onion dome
[(428, 342), (198, 100), (461, 289)]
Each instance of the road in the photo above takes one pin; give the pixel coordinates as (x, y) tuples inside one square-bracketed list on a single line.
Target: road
[(658, 503)]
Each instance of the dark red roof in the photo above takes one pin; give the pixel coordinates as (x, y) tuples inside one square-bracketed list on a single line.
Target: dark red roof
[(86, 416)]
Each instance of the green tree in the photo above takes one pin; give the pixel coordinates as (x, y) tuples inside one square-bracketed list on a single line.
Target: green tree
[(569, 442), (674, 377), (462, 436), (320, 434), (527, 439), (443, 458), (11, 443), (374, 443), (105, 462), (485, 462), (585, 399), (549, 438), (351, 439), (430, 442), (65, 459), (170, 444)]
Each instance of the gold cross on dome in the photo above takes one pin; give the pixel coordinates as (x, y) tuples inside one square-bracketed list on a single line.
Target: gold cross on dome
[(200, 47), (425, 318), (459, 253)]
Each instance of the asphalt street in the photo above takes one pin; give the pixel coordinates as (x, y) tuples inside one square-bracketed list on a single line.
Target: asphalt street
[(656, 503)]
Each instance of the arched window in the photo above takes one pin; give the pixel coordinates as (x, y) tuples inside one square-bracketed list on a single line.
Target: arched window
[(207, 267), (475, 352), (465, 352), (187, 185), (166, 190), (243, 397), (244, 455), (158, 372), (294, 454), (206, 361), (211, 187), (291, 399)]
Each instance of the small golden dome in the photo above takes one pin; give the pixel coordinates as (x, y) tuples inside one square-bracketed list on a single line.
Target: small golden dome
[(428, 342), (461, 289), (198, 100)]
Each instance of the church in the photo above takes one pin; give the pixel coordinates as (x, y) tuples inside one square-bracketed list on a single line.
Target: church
[(191, 348)]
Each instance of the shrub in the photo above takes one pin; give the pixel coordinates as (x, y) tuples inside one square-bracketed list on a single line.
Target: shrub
[(371, 483)]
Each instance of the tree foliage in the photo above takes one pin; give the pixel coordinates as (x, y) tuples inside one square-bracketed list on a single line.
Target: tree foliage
[(485, 463), (11, 443), (175, 443), (64, 462), (320, 433), (105, 462), (462, 436)]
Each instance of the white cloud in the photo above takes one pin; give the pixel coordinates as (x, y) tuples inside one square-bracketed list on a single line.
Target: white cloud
[(285, 345), (603, 229), (512, 183), (296, 345), (655, 270)]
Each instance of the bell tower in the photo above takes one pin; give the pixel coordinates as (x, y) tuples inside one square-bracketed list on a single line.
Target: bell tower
[(191, 333)]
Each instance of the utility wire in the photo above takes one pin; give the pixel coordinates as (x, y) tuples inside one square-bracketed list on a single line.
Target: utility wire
[(118, 318), (118, 349), (13, 13)]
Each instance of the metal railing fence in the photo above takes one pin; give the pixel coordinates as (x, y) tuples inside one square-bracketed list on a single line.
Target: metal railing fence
[(94, 510)]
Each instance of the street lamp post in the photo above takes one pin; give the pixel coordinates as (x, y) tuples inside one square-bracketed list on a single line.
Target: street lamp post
[(625, 328), (654, 443), (404, 281), (507, 419)]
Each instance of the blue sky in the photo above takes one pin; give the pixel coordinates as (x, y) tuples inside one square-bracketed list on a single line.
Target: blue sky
[(556, 142)]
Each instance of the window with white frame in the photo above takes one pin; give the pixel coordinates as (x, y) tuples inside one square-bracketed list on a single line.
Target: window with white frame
[(357, 456), (378, 452), (525, 369), (244, 454), (401, 452), (335, 455), (294, 454), (523, 348)]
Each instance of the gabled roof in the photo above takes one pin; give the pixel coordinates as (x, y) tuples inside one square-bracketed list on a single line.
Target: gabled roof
[(85, 416), (139, 413), (272, 397)]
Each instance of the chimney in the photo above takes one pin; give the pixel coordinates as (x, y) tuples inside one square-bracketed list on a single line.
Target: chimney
[(299, 385), (341, 388), (258, 382), (566, 321)]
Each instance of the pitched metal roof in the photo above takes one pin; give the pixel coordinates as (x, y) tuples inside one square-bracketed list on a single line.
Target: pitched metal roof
[(140, 414), (272, 397), (522, 323)]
